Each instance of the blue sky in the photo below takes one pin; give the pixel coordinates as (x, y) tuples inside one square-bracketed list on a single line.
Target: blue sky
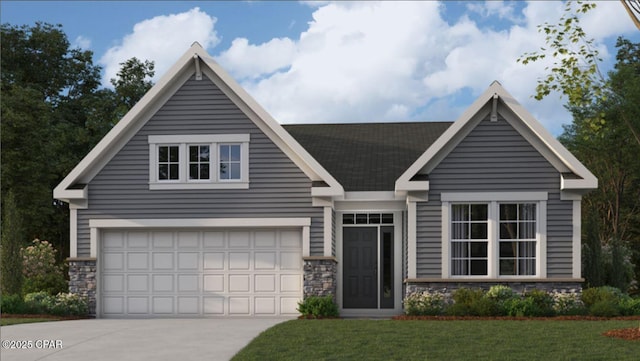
[(339, 62)]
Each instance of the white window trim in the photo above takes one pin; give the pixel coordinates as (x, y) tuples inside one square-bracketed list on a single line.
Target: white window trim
[(493, 199), (183, 141)]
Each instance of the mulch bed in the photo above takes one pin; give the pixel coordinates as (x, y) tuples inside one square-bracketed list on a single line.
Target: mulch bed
[(631, 334), (509, 318)]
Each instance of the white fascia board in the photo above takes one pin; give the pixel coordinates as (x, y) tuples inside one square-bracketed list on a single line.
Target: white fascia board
[(200, 222), (585, 185), (270, 126), (117, 137), (68, 194), (326, 191), (451, 137)]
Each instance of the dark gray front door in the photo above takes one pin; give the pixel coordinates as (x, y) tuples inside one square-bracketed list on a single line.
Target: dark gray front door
[(360, 268)]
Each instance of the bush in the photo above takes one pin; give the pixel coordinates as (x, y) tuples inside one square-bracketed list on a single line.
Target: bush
[(318, 307), (591, 296), (425, 304), (501, 295), (535, 303), (40, 270), (12, 304), (605, 308), (63, 304), (568, 304), (473, 302), (630, 306)]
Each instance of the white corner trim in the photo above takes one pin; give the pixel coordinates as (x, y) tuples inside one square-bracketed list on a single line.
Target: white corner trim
[(306, 241), (577, 239), (494, 196), (73, 232), (445, 245), (542, 240), (328, 224), (412, 230)]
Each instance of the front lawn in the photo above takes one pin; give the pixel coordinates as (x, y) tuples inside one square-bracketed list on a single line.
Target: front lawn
[(6, 320), (441, 340)]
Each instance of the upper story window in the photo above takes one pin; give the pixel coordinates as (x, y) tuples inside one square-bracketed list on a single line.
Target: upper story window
[(199, 161)]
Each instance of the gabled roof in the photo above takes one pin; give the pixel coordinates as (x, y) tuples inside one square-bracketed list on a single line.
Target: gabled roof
[(194, 61), (574, 175), (370, 156)]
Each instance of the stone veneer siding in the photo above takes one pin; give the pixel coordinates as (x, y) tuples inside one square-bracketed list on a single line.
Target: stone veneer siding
[(320, 275), (82, 280)]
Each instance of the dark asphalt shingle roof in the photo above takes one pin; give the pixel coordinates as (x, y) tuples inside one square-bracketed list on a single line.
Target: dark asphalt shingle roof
[(367, 156)]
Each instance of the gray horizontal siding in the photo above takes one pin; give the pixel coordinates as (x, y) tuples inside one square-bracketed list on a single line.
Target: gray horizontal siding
[(494, 157), (278, 188)]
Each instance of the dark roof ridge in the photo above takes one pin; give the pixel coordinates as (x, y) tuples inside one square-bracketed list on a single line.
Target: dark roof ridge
[(373, 123)]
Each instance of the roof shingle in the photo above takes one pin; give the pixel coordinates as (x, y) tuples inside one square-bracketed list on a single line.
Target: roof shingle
[(367, 156)]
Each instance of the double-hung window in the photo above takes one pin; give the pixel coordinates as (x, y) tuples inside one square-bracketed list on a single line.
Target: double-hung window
[(501, 237), (199, 161)]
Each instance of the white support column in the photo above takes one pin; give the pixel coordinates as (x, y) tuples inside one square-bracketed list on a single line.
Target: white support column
[(94, 242), (328, 227), (73, 232), (306, 241), (577, 238), (412, 235), (444, 227)]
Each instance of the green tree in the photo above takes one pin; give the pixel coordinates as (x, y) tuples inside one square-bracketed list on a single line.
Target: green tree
[(574, 72), (611, 151), (53, 112), (12, 240)]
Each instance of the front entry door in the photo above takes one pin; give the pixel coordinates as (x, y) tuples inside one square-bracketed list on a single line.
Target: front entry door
[(360, 269)]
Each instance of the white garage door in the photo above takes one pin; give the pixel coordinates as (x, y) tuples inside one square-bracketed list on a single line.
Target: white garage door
[(200, 273)]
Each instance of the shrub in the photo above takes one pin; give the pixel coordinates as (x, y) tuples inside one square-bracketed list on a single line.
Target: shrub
[(630, 306), (535, 303), (12, 304), (591, 296), (605, 308), (500, 295), (472, 302), (425, 304), (318, 307), (568, 304), (40, 270), (63, 304)]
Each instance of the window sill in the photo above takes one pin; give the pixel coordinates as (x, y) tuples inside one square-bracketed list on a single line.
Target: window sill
[(189, 186), (491, 280)]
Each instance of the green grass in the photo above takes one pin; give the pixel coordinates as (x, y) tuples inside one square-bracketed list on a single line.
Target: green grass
[(441, 340), (18, 320)]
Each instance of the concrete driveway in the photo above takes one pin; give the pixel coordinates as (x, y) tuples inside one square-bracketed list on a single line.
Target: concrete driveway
[(145, 339)]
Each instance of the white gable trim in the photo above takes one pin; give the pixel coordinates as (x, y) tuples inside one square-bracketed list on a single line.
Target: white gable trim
[(157, 96), (521, 120)]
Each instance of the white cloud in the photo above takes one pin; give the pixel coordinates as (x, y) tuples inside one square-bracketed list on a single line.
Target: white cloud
[(241, 57), (82, 42), (495, 8), (162, 39)]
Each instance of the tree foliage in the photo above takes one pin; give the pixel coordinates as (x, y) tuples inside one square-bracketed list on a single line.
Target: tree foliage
[(612, 212), (574, 72), (10, 260), (53, 112)]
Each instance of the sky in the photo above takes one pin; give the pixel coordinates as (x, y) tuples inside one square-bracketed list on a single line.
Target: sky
[(340, 62)]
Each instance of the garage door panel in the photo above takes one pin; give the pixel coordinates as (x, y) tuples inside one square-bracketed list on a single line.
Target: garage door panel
[(188, 283), (213, 283), (162, 283), (113, 261), (239, 305), (213, 240), (137, 305), (265, 305), (137, 261), (162, 239), (138, 240), (239, 283), (200, 273), (239, 239), (137, 283), (187, 260), (213, 260), (265, 283), (265, 239), (163, 305), (239, 260), (265, 260), (162, 261)]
